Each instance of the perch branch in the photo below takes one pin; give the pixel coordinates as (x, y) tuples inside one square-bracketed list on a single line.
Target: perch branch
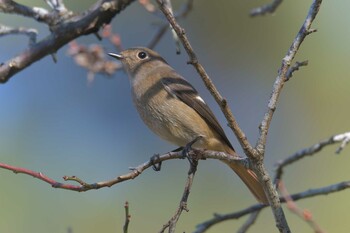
[(136, 171)]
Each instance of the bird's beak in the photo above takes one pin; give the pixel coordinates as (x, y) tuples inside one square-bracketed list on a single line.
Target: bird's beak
[(117, 56)]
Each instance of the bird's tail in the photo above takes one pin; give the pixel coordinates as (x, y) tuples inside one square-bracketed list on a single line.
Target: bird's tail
[(250, 179)]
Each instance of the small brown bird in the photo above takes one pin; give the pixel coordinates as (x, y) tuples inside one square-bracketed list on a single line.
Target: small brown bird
[(172, 108)]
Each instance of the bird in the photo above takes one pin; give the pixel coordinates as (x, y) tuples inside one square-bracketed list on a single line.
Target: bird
[(173, 109)]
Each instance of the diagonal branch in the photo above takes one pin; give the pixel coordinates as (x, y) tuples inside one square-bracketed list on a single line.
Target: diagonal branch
[(171, 224), (340, 138), (266, 9), (282, 76), (297, 196), (86, 23), (250, 222), (248, 149)]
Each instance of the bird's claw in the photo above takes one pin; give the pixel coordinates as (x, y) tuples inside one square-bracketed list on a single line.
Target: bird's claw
[(155, 165)]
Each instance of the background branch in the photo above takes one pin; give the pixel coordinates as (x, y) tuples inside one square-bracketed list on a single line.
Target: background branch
[(30, 32), (297, 196), (266, 9), (339, 138), (88, 22)]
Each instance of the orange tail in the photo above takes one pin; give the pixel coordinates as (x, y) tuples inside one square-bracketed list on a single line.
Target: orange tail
[(248, 177), (251, 180)]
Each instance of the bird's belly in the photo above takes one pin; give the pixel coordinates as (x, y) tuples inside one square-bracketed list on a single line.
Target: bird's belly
[(178, 125)]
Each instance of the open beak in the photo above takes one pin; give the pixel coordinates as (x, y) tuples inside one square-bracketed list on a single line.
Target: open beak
[(117, 56)]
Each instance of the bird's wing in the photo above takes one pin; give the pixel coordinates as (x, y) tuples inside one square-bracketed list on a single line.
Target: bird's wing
[(184, 91)]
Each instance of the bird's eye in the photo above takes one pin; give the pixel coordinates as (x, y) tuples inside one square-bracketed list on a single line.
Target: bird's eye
[(142, 55)]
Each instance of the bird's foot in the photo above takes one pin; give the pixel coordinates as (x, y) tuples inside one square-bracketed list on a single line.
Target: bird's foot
[(155, 165), (186, 154)]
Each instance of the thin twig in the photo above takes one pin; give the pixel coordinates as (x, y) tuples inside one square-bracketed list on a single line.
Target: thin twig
[(251, 220), (293, 207), (127, 218), (57, 5), (182, 13), (294, 68), (37, 13), (340, 138), (297, 196), (30, 32), (266, 9), (171, 224)]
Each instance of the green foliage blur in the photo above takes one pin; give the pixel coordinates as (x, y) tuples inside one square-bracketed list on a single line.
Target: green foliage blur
[(53, 122)]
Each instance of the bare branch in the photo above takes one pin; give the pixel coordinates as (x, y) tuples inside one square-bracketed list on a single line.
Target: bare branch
[(57, 5), (294, 68), (282, 76), (135, 172), (30, 32), (171, 224), (293, 207), (266, 9), (340, 138), (182, 13), (37, 13), (127, 217), (344, 139), (88, 22), (206, 79), (297, 196), (251, 220)]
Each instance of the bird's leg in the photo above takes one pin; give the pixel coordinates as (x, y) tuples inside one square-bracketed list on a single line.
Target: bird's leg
[(185, 154), (153, 160)]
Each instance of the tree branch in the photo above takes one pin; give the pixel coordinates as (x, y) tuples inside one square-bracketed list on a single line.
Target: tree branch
[(283, 71), (127, 217), (297, 196), (206, 79), (293, 207), (135, 171), (30, 32), (266, 9), (340, 138), (251, 220), (86, 23), (171, 224), (37, 13)]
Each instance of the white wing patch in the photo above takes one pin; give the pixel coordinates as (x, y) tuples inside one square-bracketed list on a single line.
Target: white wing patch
[(200, 99)]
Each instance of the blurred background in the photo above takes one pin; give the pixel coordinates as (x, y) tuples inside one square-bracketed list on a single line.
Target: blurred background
[(52, 121)]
